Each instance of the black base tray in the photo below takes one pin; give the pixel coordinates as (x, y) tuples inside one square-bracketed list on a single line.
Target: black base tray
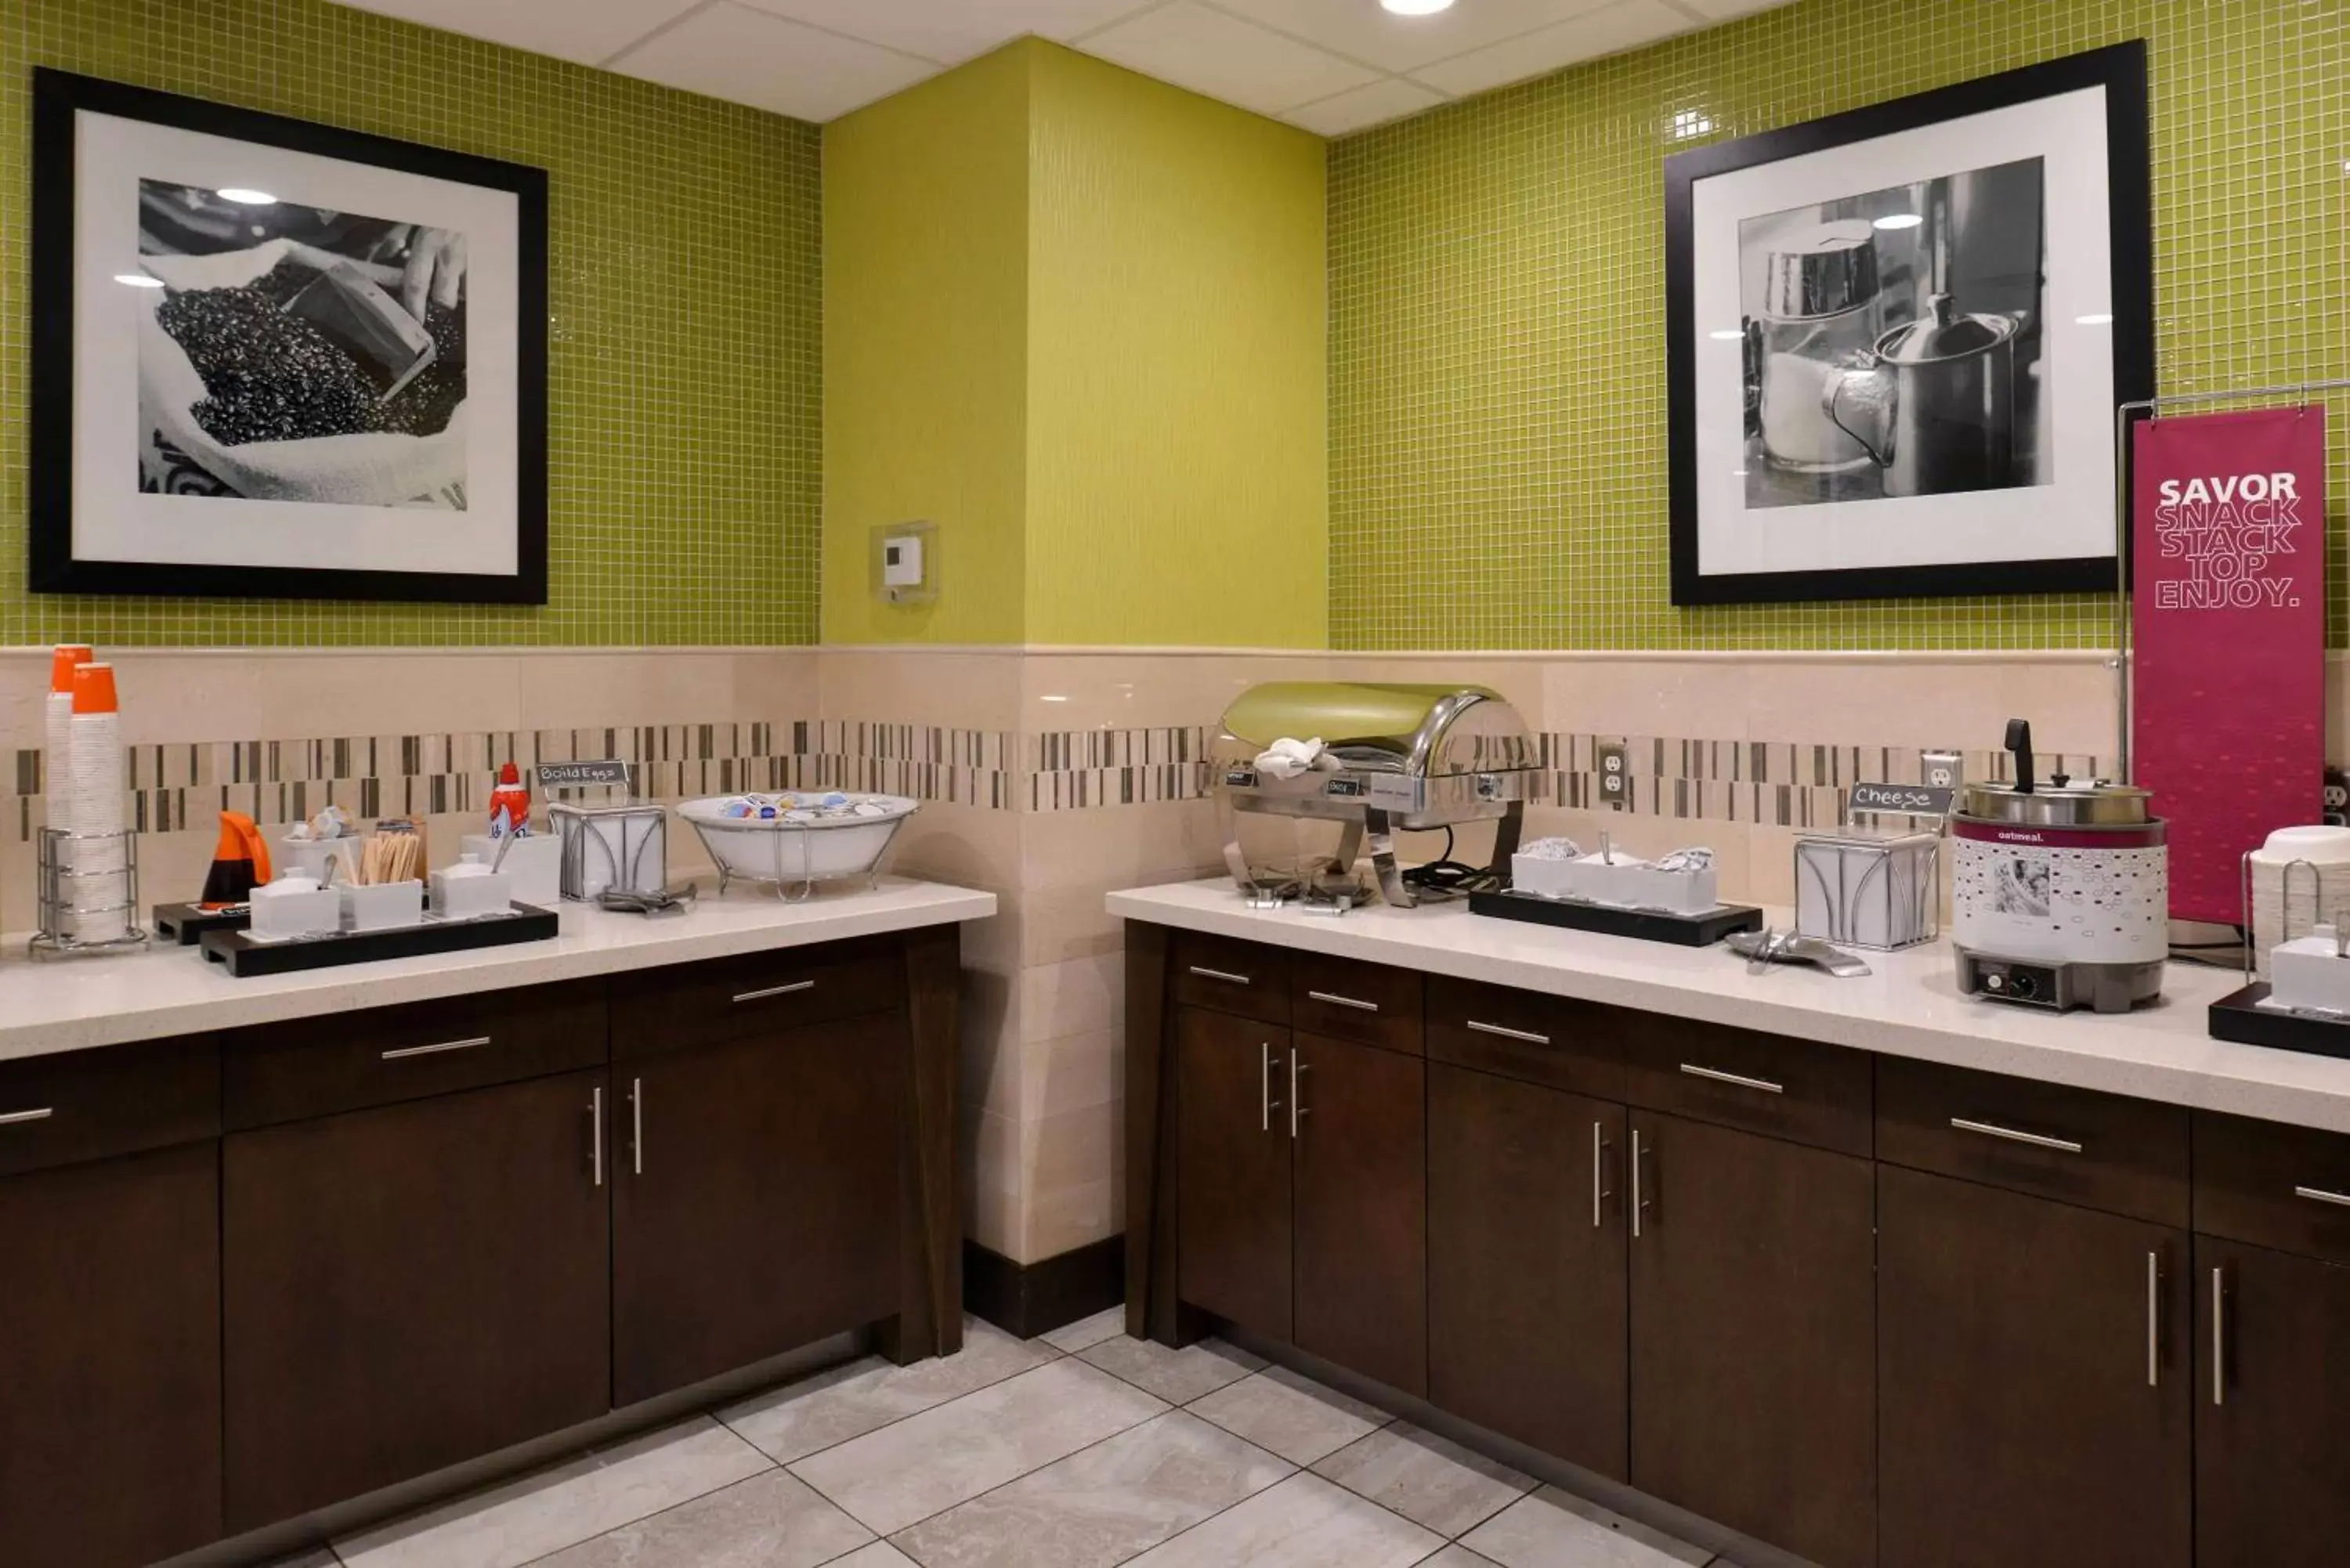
[(1681, 930), (182, 924), (247, 957), (2238, 1017)]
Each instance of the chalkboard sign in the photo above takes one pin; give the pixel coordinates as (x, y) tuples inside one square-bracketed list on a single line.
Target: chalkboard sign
[(613, 774), (1901, 800)]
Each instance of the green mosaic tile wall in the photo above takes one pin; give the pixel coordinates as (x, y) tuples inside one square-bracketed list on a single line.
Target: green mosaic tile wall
[(1497, 316), (686, 372)]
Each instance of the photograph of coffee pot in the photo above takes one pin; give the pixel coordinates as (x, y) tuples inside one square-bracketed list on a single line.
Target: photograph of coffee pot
[(1892, 341)]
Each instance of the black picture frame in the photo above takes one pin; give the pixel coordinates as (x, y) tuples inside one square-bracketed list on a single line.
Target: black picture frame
[(2121, 71), (58, 97)]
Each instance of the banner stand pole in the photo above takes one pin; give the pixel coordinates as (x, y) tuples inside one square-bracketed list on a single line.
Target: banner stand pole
[(2124, 419)]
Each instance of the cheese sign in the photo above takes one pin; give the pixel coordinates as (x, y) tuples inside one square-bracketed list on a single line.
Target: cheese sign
[(1901, 800), (2227, 616)]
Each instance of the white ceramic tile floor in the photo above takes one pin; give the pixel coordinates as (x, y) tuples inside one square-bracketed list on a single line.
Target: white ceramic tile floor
[(1065, 1451)]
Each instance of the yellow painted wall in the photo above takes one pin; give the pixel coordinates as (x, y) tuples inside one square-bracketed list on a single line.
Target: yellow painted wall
[(1076, 318), (925, 349), (1178, 373)]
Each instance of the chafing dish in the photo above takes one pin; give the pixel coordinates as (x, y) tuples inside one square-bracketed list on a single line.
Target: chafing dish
[(1396, 758)]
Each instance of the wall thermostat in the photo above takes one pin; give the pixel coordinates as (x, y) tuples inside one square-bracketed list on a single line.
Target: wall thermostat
[(905, 563)]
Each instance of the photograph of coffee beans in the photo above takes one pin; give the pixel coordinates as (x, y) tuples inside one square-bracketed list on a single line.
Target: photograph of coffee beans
[(342, 325)]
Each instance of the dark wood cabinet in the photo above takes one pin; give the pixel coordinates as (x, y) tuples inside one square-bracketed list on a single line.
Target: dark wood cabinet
[(2035, 1381), (1754, 1328), (412, 1286), (109, 1310), (1867, 1310), (1526, 1293), (1359, 1230), (2271, 1388), (1233, 1207), (754, 1183)]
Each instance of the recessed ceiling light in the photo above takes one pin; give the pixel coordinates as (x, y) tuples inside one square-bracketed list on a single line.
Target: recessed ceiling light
[(1899, 221), (137, 280), (1416, 7), (245, 196), (2095, 321)]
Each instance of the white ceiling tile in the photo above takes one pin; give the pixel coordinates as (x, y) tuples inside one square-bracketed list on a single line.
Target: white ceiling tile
[(750, 56), (1356, 108), (952, 31), (1225, 57), (1723, 10), (1362, 30), (586, 31), (1623, 25)]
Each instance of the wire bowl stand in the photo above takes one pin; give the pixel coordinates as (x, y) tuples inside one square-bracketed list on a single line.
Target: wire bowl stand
[(794, 875)]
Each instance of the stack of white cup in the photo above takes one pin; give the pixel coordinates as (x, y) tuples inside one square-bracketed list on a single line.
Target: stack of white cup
[(99, 891)]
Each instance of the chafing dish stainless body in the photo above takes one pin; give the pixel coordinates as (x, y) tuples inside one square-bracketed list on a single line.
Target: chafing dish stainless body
[(1398, 758)]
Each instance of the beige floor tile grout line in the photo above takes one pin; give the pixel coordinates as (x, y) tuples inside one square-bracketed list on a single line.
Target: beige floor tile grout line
[(1051, 1354)]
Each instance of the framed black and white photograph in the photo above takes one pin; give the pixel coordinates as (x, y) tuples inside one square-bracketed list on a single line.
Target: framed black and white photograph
[(279, 360), (1896, 338)]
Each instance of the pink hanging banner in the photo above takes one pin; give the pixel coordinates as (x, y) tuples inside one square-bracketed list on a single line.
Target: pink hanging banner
[(2229, 620)]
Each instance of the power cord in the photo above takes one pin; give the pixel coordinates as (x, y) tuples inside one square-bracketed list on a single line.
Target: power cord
[(1445, 878)]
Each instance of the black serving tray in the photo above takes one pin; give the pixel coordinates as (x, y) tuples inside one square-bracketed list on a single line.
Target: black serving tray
[(247, 957), (180, 925), (2239, 1017), (1648, 925)]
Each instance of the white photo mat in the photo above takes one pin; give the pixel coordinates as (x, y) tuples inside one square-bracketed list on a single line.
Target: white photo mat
[(2070, 517), (114, 521)]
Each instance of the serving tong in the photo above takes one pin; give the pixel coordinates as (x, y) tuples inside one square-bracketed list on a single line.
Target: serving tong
[(1770, 945)]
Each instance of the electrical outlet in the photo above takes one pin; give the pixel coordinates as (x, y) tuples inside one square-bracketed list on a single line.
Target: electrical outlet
[(1613, 766), (1939, 769)]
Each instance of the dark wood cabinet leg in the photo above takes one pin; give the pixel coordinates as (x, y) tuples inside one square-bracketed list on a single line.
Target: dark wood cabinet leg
[(1152, 1310), (930, 1316)]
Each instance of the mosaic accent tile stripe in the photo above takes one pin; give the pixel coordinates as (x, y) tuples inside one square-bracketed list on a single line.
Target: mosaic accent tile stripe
[(182, 786)]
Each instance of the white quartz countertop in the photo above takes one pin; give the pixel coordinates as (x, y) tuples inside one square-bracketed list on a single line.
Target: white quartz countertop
[(68, 1004), (1909, 1006)]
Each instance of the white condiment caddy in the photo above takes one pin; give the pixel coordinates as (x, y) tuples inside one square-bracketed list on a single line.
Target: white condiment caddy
[(1681, 883)]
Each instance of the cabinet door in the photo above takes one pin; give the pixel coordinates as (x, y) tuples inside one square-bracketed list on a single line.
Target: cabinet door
[(2271, 1383), (2033, 1380), (756, 1198), (110, 1306), (1232, 1231), (1753, 1336), (1361, 1194), (411, 1286), (1526, 1265)]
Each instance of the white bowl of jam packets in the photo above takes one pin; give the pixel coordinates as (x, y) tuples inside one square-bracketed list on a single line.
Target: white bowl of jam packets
[(807, 836)]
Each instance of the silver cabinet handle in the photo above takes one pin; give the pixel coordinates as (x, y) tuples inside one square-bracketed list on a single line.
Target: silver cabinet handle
[(1264, 1087), (1765, 1084), (1296, 1091), (406, 1051), (2219, 1336), (765, 992), (637, 1127), (1638, 1202), (596, 1139), (2153, 1320), (1227, 976), (1599, 1192), (11, 1118), (1528, 1035), (1334, 1000), (2319, 1195), (1991, 1130)]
